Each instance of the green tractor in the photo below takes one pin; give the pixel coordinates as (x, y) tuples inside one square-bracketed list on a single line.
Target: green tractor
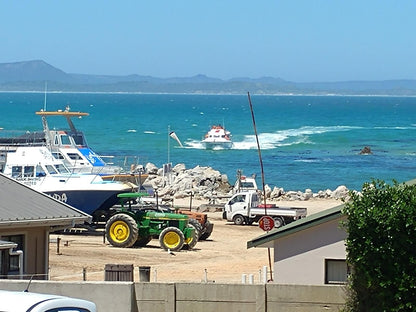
[(129, 227)]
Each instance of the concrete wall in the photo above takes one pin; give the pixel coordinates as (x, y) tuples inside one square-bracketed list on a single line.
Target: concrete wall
[(184, 297), (299, 258)]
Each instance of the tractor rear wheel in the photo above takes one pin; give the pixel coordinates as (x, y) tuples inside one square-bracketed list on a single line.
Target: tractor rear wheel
[(191, 241), (208, 230), (172, 239), (197, 226), (121, 230)]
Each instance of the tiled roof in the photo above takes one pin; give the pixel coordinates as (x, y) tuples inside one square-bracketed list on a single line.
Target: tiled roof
[(21, 205)]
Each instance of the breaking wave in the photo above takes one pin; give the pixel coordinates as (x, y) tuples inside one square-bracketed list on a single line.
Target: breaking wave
[(272, 140)]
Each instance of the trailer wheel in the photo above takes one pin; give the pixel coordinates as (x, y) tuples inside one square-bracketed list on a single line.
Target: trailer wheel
[(172, 239), (121, 230), (208, 230), (278, 222), (238, 220), (142, 241)]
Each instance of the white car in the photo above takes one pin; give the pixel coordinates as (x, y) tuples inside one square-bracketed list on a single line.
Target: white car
[(19, 301)]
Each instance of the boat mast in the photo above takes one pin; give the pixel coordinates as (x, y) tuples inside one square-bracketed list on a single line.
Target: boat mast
[(44, 101), (45, 122)]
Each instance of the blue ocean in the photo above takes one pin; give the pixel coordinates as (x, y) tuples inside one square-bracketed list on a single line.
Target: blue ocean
[(306, 141)]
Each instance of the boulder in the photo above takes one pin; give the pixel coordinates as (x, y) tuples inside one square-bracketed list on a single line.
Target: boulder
[(340, 192)]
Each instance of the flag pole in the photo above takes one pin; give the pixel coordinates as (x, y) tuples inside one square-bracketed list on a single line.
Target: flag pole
[(168, 143)]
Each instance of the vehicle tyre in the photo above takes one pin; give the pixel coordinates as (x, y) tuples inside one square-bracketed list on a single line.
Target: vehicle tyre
[(248, 221), (172, 239), (142, 241), (238, 220), (208, 230), (278, 222), (121, 230), (197, 226), (190, 242)]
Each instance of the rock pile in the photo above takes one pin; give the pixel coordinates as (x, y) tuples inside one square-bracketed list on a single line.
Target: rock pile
[(207, 183), (201, 182)]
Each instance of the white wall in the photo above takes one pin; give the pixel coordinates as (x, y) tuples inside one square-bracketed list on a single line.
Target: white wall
[(299, 258)]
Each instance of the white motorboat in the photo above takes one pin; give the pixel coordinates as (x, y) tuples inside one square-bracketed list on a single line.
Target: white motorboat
[(217, 138), (36, 167), (70, 146)]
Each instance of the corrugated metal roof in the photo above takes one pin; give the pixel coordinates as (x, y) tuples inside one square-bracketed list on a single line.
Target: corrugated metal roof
[(266, 240), (20, 204)]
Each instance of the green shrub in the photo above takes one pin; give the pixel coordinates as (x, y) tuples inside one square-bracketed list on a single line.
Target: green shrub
[(381, 247)]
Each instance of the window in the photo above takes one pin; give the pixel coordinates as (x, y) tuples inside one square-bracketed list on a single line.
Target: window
[(74, 156), (65, 140), (39, 171), (51, 169), (29, 171), (238, 199), (79, 139), (61, 168), (58, 155), (13, 263), (16, 172), (336, 271)]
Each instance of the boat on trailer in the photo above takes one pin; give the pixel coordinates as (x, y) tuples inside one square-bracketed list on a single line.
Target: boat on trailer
[(217, 138), (36, 167)]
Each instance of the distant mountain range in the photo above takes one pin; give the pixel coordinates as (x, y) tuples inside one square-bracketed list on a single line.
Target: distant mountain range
[(32, 75)]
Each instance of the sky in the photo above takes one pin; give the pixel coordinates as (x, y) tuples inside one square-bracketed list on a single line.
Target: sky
[(295, 40)]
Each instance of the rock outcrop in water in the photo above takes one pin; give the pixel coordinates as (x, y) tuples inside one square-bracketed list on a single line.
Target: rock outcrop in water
[(208, 183), (366, 151)]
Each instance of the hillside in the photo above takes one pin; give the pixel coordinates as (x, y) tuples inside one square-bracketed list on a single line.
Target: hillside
[(32, 76)]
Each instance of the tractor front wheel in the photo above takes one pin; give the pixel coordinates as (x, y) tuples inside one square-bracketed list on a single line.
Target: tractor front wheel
[(172, 239), (121, 230)]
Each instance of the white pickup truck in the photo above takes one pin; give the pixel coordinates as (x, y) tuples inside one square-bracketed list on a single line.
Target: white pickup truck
[(244, 208)]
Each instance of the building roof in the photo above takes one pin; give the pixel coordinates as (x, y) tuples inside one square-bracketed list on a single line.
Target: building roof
[(22, 206), (266, 240)]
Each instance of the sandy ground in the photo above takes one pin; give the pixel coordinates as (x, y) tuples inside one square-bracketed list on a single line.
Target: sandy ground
[(223, 258)]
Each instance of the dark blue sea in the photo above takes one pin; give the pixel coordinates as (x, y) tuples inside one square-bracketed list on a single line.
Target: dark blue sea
[(306, 141)]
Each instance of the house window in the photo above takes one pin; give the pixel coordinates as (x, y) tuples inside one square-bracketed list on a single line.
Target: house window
[(13, 263), (336, 271)]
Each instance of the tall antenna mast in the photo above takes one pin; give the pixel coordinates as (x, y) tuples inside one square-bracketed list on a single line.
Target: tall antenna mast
[(262, 178)]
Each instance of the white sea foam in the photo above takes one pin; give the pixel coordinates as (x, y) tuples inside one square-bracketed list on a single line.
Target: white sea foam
[(272, 140), (149, 132)]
